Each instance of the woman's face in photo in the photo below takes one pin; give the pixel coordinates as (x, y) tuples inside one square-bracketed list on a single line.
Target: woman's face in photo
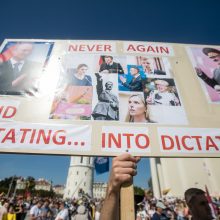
[(82, 70), (136, 106)]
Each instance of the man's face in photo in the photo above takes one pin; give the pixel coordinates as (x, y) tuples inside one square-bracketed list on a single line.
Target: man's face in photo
[(215, 57), (21, 51), (109, 85), (108, 60)]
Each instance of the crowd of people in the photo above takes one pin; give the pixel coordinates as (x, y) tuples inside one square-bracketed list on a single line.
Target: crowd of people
[(193, 205), (149, 208), (36, 208)]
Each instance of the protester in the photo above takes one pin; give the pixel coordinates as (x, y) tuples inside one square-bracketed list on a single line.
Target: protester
[(123, 169), (159, 214), (4, 210), (198, 204), (63, 213), (36, 212), (11, 213)]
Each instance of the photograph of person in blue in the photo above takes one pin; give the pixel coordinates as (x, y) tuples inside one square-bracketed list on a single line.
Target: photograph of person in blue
[(131, 81)]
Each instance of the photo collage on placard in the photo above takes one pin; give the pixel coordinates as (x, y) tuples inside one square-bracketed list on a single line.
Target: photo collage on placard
[(117, 88), (21, 67)]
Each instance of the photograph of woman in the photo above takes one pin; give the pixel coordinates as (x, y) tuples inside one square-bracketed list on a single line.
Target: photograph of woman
[(138, 111), (78, 77)]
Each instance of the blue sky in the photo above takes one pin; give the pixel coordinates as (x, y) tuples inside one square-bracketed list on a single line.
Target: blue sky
[(189, 21), (55, 168)]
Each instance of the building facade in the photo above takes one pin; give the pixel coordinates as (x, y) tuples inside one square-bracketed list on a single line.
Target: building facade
[(99, 190), (175, 175), (59, 189), (42, 184)]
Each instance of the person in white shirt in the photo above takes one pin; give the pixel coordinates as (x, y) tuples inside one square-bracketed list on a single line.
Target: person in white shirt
[(35, 212), (63, 214)]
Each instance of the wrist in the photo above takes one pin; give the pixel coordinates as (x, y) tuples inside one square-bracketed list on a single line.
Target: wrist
[(112, 192)]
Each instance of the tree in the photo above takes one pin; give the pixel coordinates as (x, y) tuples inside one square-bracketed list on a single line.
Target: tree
[(30, 181), (138, 191), (7, 185)]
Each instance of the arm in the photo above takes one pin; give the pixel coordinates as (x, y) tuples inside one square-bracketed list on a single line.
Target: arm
[(120, 69), (150, 98), (209, 81), (133, 86), (123, 169), (99, 86), (103, 68)]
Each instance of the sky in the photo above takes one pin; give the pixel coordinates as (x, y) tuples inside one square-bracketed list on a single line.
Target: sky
[(175, 21)]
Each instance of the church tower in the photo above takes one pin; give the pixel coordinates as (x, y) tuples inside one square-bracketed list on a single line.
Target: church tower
[(80, 177)]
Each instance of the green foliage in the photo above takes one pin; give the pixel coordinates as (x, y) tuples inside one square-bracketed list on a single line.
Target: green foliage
[(43, 193), (30, 181), (138, 191)]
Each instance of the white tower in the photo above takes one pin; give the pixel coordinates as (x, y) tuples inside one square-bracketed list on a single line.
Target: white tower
[(80, 176)]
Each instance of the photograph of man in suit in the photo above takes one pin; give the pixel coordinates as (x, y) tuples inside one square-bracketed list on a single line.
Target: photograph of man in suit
[(18, 74), (107, 106), (148, 67), (109, 66), (135, 84)]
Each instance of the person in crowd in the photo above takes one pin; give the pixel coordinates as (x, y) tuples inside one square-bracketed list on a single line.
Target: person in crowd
[(18, 74), (20, 209), (108, 104), (4, 210), (214, 81), (63, 212), (162, 95), (35, 211), (79, 77), (98, 211), (135, 84), (137, 109), (180, 210), (109, 66), (54, 207), (148, 67), (11, 213), (82, 213), (123, 169), (142, 213), (44, 209), (152, 210), (159, 214), (198, 204)]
